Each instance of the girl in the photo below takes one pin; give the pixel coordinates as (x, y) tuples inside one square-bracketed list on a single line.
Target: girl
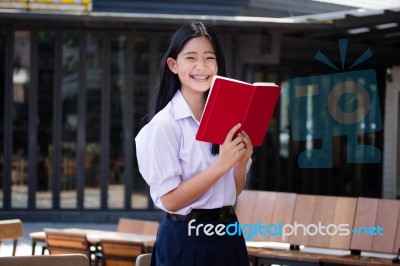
[(195, 183)]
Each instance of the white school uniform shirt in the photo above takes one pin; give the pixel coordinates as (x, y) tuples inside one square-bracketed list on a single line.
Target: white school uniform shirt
[(168, 153)]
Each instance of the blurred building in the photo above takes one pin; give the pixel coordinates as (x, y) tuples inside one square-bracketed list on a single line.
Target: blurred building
[(75, 80)]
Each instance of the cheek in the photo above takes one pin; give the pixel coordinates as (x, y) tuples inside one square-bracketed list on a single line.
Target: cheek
[(186, 66), (213, 67)]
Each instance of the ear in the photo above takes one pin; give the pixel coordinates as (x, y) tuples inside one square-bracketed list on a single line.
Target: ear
[(172, 65)]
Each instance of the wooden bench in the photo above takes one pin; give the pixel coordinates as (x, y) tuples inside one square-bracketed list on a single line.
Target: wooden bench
[(265, 207), (322, 212), (317, 249), (11, 229), (268, 208), (47, 260), (371, 249)]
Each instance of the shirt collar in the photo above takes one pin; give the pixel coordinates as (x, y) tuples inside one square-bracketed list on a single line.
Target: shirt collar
[(180, 107)]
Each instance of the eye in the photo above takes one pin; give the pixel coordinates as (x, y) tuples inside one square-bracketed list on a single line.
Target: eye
[(190, 58), (211, 58)]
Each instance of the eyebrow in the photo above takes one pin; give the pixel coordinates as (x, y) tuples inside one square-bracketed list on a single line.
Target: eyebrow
[(207, 52)]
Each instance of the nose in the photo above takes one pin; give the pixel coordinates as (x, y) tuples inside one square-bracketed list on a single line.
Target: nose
[(200, 64)]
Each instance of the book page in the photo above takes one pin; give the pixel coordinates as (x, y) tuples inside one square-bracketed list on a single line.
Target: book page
[(264, 84), (231, 79)]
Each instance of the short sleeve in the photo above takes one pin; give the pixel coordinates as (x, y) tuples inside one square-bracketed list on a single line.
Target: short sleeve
[(157, 152)]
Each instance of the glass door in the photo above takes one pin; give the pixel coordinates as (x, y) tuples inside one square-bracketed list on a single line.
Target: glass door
[(44, 178), (2, 103), (20, 119)]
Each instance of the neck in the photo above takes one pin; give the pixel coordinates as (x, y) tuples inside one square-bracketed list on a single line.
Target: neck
[(196, 103)]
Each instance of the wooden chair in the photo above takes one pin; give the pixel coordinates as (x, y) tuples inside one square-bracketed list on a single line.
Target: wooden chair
[(11, 229), (119, 252), (62, 242), (128, 225), (143, 259), (137, 226), (48, 260)]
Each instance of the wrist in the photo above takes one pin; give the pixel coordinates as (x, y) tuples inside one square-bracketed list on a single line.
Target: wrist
[(242, 163), (219, 168)]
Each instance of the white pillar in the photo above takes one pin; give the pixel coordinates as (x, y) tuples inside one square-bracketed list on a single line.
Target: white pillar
[(391, 137)]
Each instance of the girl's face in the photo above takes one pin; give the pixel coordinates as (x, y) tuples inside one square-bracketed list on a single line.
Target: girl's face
[(196, 65)]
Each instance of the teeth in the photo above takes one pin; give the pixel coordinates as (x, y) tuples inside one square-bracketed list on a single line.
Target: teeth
[(200, 77)]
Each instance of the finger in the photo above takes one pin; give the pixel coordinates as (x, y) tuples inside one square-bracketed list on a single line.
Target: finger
[(239, 148), (232, 132), (246, 137), (246, 141), (242, 152), (237, 140), (245, 134), (243, 139)]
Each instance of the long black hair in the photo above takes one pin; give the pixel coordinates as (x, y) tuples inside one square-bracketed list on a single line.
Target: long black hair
[(169, 82)]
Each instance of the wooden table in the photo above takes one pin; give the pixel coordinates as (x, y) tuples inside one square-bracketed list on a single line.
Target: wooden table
[(94, 237)]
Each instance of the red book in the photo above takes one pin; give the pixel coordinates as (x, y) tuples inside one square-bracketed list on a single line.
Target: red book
[(233, 101)]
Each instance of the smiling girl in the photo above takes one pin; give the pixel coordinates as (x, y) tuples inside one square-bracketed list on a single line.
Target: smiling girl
[(188, 179)]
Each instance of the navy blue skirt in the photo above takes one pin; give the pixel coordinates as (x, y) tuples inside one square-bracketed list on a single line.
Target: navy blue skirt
[(175, 247)]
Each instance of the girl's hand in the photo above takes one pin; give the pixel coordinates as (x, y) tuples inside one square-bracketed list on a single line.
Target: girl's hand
[(248, 147), (232, 150)]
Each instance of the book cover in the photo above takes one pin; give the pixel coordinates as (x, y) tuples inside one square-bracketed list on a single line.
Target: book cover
[(233, 101)]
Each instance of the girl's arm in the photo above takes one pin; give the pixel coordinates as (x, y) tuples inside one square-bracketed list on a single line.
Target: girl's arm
[(241, 165), (231, 152)]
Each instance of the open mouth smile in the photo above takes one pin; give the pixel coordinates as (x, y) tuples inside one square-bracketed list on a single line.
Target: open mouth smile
[(199, 77)]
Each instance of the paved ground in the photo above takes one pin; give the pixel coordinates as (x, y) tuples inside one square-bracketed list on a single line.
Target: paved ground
[(25, 246)]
